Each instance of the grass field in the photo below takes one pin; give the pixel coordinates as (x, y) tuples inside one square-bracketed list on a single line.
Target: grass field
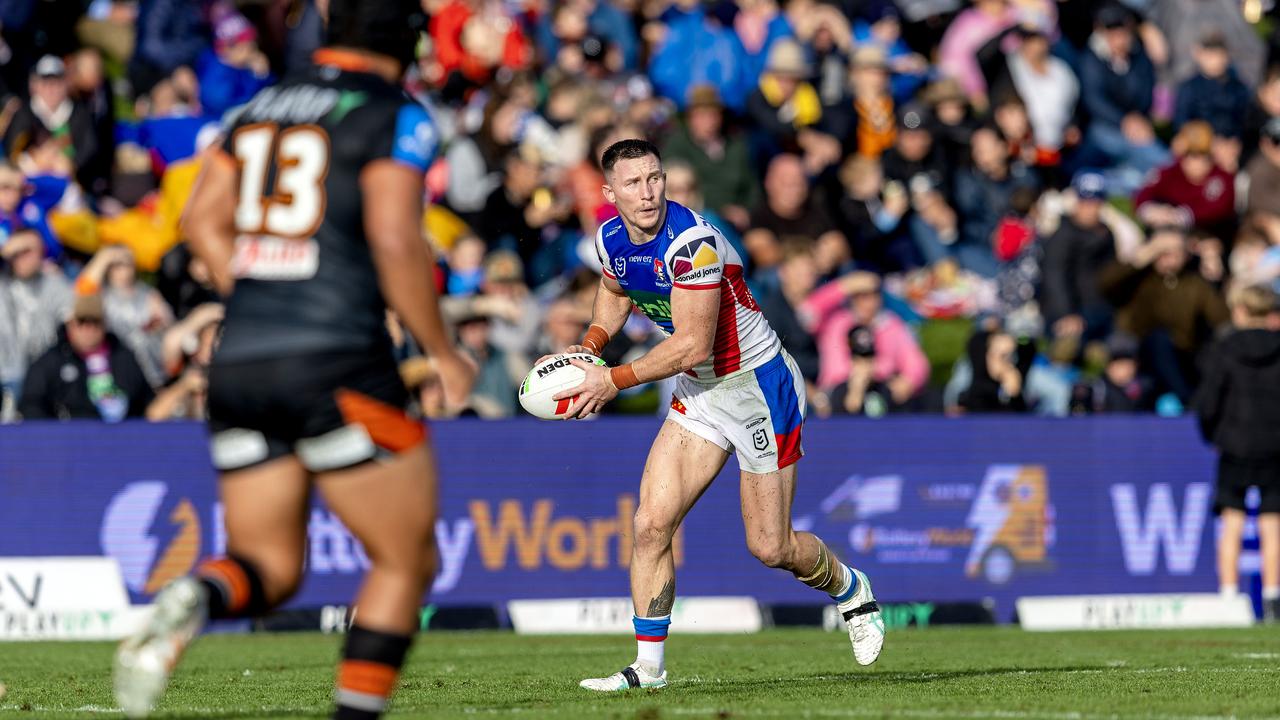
[(936, 673)]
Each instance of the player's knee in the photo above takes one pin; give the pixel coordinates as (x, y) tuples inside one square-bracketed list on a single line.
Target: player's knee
[(652, 534), (771, 551), (281, 576)]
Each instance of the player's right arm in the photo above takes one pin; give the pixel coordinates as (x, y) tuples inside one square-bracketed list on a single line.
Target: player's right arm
[(608, 315), (392, 222)]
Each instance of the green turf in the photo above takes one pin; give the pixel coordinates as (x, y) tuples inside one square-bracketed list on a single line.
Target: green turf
[(936, 673)]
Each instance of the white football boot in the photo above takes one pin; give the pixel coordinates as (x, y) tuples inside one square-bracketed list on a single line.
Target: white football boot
[(144, 660), (631, 676), (865, 622)]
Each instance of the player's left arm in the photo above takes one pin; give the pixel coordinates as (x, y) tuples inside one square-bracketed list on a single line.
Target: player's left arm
[(208, 221)]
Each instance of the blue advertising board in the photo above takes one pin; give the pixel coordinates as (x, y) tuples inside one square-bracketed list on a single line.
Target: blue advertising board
[(933, 509)]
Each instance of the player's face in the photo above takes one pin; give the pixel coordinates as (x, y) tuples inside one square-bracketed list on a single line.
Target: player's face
[(637, 187)]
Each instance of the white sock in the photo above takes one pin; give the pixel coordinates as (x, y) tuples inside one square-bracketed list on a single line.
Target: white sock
[(846, 585), (1271, 593), (1228, 591), (651, 641)]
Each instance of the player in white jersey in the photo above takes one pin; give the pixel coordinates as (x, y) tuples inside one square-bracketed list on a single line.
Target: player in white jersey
[(737, 391)]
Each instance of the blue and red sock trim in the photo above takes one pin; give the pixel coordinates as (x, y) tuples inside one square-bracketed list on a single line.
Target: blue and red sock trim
[(651, 629)]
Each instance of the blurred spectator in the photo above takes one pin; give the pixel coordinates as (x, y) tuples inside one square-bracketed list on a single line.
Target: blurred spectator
[(1263, 106), (466, 266), (880, 26), (1185, 22), (89, 88), (1164, 303), (834, 309), (1119, 389), (1239, 412), (871, 214), (426, 392), (1074, 257), (1000, 368), (786, 111), (861, 393), (797, 277), (1263, 173), (185, 339), (1019, 252), (88, 373), (234, 69), (1193, 191), (51, 123), (136, 313), (22, 207), (170, 34), (982, 198), (721, 160), (494, 393), (1214, 94), (1117, 81), (599, 17), (971, 29), (696, 49), (183, 281), (867, 123), (34, 299), (788, 209), (915, 157), (1046, 86), (524, 213), (954, 124), (184, 397)]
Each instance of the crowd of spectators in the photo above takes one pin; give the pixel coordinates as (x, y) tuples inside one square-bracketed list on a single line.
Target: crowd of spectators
[(1003, 206)]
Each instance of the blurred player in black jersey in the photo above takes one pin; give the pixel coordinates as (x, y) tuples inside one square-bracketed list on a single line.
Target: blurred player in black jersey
[(309, 218)]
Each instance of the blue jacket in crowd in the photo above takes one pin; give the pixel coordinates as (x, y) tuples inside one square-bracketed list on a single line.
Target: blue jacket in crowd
[(697, 51)]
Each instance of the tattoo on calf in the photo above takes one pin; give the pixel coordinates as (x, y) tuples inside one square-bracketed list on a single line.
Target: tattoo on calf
[(661, 605)]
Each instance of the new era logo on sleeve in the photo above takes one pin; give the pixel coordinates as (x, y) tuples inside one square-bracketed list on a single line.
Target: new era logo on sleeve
[(697, 261)]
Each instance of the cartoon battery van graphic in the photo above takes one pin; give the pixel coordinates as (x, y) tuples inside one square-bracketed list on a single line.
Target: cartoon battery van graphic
[(1012, 522)]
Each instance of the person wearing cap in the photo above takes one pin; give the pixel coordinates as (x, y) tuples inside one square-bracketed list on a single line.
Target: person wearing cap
[(1215, 93), (1167, 305), (1119, 389), (1193, 191), (34, 299), (1117, 83), (87, 374), (1074, 257), (51, 126), (1238, 405), (954, 121), (1263, 173), (915, 157), (785, 110), (861, 393), (1045, 84), (720, 160), (234, 69)]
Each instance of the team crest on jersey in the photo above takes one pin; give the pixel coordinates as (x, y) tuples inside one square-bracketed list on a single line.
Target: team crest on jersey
[(657, 270), (619, 266), (695, 254)]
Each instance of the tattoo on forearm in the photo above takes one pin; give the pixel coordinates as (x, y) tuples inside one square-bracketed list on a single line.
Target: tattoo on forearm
[(661, 605)]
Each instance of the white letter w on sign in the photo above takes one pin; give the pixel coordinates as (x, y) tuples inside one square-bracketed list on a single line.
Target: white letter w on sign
[(1179, 534)]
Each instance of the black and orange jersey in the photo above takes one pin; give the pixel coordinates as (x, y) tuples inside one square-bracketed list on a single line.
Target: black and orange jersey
[(305, 278)]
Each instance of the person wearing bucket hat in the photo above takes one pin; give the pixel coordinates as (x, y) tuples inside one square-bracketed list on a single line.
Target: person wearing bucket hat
[(721, 160), (787, 110)]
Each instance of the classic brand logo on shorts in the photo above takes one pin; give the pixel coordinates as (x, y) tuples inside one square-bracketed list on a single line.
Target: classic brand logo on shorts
[(150, 560), (755, 422)]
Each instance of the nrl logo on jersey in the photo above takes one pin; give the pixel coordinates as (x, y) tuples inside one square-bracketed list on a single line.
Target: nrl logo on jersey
[(620, 266)]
